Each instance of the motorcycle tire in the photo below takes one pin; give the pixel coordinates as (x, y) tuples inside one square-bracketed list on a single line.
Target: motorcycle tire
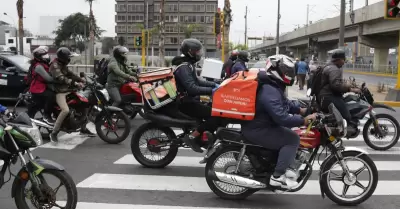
[(135, 146), (65, 180), (127, 128), (326, 187), (366, 133)]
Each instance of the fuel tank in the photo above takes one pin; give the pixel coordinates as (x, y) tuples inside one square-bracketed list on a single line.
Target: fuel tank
[(308, 139)]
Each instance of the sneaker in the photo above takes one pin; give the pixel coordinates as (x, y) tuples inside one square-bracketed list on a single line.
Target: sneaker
[(54, 138), (87, 132), (292, 174), (283, 182), (49, 120), (191, 142)]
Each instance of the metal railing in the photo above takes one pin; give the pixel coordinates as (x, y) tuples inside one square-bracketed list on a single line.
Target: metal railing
[(369, 68)]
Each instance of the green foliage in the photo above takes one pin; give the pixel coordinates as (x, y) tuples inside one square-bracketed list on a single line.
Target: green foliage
[(75, 27), (107, 44), (189, 29), (241, 47)]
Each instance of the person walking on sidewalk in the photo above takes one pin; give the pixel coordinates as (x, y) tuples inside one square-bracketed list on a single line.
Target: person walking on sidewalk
[(295, 71), (302, 70)]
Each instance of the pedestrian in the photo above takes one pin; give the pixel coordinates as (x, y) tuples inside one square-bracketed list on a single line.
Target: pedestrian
[(295, 71), (302, 71)]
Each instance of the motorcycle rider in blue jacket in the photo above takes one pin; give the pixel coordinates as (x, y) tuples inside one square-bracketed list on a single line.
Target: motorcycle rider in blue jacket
[(240, 63), (274, 116)]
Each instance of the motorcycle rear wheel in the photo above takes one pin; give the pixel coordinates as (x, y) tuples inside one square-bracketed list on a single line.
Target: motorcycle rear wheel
[(127, 128)]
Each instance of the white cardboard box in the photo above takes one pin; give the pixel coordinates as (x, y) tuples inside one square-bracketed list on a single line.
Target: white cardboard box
[(212, 68)]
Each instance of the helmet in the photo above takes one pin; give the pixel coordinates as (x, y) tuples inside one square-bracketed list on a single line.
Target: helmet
[(41, 54), (338, 54), (234, 55), (244, 56), (64, 55), (120, 53), (281, 67), (192, 48)]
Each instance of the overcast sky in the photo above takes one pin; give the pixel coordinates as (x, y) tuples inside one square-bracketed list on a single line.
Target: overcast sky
[(261, 13)]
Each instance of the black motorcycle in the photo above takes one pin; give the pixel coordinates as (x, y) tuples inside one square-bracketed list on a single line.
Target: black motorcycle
[(18, 135), (361, 106)]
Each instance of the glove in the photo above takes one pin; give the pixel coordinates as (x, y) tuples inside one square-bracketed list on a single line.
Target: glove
[(216, 86), (3, 109)]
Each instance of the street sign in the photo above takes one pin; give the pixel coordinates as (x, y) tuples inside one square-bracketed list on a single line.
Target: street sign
[(392, 9)]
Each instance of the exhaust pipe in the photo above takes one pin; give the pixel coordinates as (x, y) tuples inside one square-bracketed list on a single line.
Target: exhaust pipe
[(42, 124), (239, 180)]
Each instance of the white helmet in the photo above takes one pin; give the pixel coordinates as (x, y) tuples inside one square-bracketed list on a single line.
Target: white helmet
[(281, 67)]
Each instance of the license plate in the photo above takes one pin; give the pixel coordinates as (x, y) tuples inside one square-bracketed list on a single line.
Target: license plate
[(3, 82)]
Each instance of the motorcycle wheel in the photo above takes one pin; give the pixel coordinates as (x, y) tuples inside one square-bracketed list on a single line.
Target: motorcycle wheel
[(137, 152), (217, 186), (338, 198), (65, 180), (366, 132), (100, 122)]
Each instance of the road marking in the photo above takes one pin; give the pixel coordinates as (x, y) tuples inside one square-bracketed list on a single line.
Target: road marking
[(67, 142), (88, 205), (187, 161), (198, 184)]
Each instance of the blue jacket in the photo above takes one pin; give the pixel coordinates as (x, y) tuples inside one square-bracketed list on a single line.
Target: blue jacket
[(302, 68), (2, 109), (273, 109), (238, 66)]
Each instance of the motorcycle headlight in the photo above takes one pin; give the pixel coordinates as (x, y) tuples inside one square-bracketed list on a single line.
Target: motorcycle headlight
[(105, 94), (34, 132)]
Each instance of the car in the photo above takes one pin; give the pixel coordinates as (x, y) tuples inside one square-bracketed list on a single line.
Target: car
[(259, 65), (13, 69)]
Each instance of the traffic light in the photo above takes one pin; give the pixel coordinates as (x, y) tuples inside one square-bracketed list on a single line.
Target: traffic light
[(138, 41), (217, 23), (392, 9)]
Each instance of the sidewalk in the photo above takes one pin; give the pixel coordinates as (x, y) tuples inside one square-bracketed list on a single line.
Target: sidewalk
[(294, 92)]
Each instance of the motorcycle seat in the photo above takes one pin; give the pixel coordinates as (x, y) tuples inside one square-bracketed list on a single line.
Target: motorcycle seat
[(233, 134), (168, 121)]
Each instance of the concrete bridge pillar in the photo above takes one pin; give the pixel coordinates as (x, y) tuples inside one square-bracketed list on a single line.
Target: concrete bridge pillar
[(380, 59)]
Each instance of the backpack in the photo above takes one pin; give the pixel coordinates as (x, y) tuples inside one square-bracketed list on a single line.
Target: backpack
[(101, 71), (228, 69), (29, 77), (316, 81)]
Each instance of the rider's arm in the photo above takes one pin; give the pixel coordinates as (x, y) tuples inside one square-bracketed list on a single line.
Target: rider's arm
[(294, 107), (184, 76), (114, 68), (336, 82), (274, 105), (42, 72), (74, 77), (59, 76), (205, 83)]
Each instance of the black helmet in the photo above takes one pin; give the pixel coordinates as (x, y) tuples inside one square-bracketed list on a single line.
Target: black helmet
[(64, 55), (244, 56), (120, 53), (41, 54), (338, 54), (192, 48)]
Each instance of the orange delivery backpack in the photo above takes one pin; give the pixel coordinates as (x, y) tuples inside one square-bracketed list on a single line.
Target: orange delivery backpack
[(236, 96), (158, 87)]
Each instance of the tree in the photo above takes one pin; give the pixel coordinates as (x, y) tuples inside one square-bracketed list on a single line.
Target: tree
[(20, 10), (241, 47), (75, 27), (227, 25), (107, 44), (189, 29), (121, 41), (161, 32)]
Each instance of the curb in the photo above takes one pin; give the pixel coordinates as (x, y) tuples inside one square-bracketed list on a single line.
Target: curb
[(374, 74), (389, 103)]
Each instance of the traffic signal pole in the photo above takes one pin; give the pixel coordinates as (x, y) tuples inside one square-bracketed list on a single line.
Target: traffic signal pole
[(143, 48), (222, 37)]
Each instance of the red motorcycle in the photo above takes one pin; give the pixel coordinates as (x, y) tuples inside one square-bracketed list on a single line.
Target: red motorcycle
[(132, 102)]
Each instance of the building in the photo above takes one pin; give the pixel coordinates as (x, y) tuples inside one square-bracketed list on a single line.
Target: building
[(6, 28), (131, 16), (48, 24)]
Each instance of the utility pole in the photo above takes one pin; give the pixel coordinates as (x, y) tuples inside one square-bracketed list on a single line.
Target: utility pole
[(366, 2), (277, 26), (245, 29), (342, 22), (147, 30), (308, 13)]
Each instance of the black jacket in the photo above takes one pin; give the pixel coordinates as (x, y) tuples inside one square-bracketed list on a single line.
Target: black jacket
[(187, 81), (332, 81), (227, 67)]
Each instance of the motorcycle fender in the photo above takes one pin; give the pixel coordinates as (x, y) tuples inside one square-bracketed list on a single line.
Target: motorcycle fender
[(378, 105), (38, 166), (356, 149)]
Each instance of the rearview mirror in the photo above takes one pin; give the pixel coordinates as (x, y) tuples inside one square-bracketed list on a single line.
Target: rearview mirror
[(308, 92), (11, 69)]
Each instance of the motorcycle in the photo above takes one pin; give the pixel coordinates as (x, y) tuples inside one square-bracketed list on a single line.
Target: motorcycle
[(18, 135), (131, 96), (93, 100), (245, 168), (361, 106)]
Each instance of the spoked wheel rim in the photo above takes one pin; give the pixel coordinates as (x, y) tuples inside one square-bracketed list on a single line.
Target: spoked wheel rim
[(343, 183), (226, 163), (111, 126), (389, 130), (154, 145)]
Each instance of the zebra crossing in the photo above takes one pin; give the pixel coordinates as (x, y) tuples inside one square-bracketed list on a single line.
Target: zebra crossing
[(128, 185)]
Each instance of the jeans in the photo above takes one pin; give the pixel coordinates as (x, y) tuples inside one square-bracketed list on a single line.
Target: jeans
[(114, 95), (302, 80), (278, 138), (45, 100), (339, 104), (61, 99)]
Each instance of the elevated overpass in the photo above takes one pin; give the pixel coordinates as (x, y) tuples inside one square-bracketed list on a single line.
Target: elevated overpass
[(369, 28)]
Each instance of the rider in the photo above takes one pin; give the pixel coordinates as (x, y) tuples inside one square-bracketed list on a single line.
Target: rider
[(271, 126), (333, 87), (64, 82), (240, 64), (191, 87), (119, 73), (227, 67), (41, 84)]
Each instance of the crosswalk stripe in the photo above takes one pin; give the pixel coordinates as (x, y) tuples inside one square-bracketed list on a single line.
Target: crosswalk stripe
[(198, 184), (194, 162), (89, 205)]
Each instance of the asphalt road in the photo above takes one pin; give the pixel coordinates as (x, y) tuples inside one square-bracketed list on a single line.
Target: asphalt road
[(372, 80), (108, 177)]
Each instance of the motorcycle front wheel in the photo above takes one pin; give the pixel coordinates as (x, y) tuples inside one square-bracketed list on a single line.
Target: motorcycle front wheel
[(369, 132), (111, 126), (24, 194)]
